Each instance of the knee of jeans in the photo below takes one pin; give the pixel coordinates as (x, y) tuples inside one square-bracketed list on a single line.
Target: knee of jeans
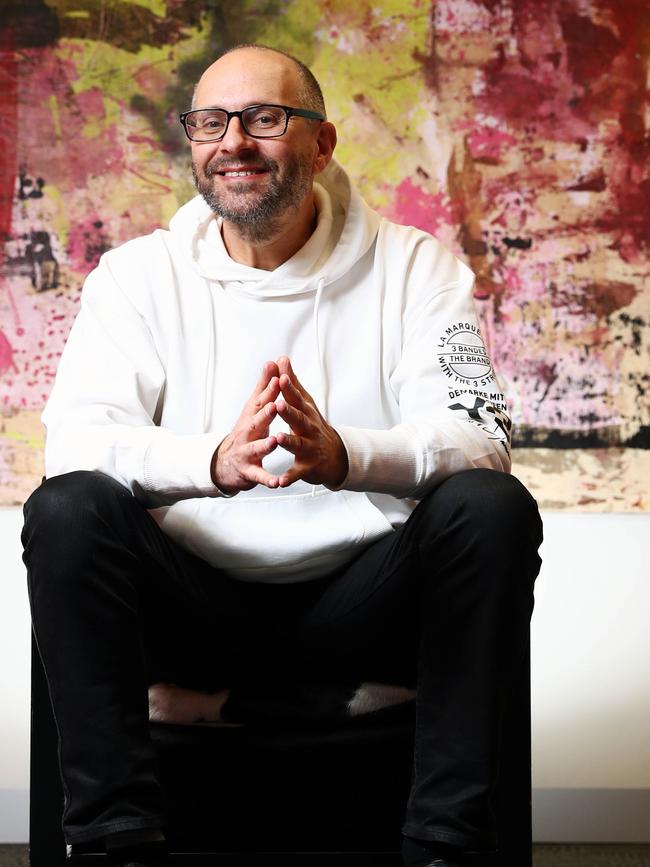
[(495, 501), (64, 518), (490, 516), (63, 503)]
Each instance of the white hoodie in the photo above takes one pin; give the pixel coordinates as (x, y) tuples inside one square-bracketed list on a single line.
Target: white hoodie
[(379, 324)]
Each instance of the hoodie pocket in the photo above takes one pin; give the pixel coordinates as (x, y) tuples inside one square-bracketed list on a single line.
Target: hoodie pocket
[(279, 537)]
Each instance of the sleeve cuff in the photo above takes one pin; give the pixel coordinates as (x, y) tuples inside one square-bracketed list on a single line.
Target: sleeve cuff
[(178, 466), (384, 461)]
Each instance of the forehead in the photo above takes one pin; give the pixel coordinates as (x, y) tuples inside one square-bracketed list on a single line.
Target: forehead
[(248, 76)]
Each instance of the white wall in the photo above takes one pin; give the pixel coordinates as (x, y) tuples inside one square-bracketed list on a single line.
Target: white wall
[(591, 639), (15, 640), (591, 681)]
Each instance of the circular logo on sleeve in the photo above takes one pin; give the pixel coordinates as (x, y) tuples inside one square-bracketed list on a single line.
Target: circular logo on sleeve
[(463, 357)]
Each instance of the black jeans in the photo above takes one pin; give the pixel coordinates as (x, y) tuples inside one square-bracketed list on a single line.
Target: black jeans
[(443, 603)]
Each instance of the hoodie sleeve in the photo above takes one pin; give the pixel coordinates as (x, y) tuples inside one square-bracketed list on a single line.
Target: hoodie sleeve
[(103, 410), (451, 406)]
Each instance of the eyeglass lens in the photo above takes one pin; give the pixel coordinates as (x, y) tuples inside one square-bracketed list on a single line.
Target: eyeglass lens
[(258, 120)]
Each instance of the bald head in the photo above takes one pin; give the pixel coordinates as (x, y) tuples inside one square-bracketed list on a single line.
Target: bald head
[(261, 58)]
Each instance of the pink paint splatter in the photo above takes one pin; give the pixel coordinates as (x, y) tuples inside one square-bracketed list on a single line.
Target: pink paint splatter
[(6, 355), (413, 206), (151, 80), (86, 244), (47, 78), (486, 143), (91, 102)]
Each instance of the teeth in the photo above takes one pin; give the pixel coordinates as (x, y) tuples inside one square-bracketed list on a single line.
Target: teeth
[(238, 174)]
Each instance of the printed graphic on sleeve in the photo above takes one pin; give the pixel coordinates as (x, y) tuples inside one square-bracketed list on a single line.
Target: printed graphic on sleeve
[(463, 357), (492, 419)]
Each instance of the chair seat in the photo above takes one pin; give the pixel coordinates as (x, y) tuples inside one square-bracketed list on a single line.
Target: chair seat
[(323, 789)]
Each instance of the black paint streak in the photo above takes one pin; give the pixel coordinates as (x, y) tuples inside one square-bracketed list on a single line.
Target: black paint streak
[(518, 243), (636, 324), (44, 269), (37, 261), (28, 188), (27, 24), (95, 243), (525, 436)]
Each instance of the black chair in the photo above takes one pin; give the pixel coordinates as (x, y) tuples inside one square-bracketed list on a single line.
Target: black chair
[(246, 796)]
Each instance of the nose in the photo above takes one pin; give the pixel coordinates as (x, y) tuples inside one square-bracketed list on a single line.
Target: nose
[(236, 138)]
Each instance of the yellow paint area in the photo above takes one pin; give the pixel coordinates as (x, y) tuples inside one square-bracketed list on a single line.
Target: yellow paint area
[(117, 73), (56, 117), (36, 442), (22, 439), (385, 102), (59, 218), (156, 7), (292, 32)]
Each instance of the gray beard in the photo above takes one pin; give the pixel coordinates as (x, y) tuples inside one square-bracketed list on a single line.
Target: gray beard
[(259, 220)]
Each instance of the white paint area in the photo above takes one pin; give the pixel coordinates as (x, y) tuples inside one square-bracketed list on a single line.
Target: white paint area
[(591, 687)]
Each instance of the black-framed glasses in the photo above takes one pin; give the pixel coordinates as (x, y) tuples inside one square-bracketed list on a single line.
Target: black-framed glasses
[(258, 121)]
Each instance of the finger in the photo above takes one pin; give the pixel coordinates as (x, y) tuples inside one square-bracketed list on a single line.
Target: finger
[(290, 476), (261, 448), (297, 420), (285, 367), (269, 370), (293, 444), (261, 420), (260, 476), (270, 393), (295, 396)]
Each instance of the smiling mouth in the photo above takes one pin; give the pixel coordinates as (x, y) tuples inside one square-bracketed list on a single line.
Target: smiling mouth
[(241, 173)]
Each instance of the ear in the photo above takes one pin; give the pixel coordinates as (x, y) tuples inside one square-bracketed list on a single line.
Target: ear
[(325, 144)]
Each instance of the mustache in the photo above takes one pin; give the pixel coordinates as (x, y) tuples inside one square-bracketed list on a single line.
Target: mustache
[(221, 164)]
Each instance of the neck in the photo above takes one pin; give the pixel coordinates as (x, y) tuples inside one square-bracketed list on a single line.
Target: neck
[(282, 240)]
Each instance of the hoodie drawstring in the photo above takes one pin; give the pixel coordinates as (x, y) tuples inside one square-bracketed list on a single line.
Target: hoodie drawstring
[(322, 403)]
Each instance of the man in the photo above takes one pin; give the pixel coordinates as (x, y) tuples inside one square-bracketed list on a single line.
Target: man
[(296, 391)]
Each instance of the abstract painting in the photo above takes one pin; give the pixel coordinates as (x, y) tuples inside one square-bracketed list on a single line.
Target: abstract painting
[(515, 131)]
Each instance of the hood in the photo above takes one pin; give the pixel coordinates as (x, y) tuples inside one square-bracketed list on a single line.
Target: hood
[(346, 229)]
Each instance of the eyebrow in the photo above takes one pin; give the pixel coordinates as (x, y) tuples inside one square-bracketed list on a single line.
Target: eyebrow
[(243, 108)]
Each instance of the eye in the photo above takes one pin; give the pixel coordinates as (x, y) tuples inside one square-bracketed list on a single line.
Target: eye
[(210, 122), (265, 117)]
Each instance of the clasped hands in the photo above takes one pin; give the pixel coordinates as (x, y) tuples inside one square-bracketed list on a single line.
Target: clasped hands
[(320, 456)]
